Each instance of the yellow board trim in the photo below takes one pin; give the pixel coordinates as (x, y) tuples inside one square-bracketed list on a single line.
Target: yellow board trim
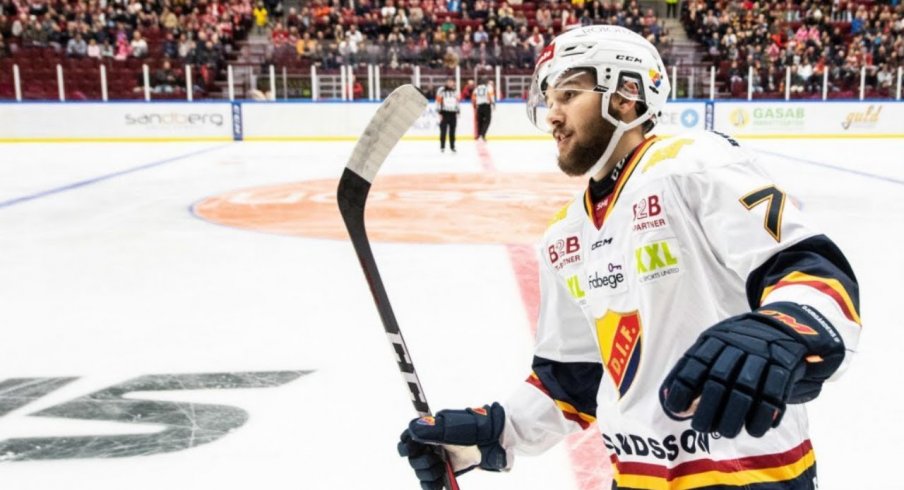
[(735, 478), (404, 138), (330, 139), (815, 136)]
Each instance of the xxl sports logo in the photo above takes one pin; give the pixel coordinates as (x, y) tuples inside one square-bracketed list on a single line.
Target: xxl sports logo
[(656, 260), (170, 119), (619, 336)]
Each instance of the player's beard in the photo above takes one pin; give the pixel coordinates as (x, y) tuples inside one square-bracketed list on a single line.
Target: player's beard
[(587, 148)]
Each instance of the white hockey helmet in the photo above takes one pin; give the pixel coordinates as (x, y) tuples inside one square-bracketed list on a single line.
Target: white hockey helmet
[(623, 62)]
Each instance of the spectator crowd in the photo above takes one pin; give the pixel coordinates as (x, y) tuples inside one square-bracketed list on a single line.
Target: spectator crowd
[(187, 32), (811, 38), (443, 33)]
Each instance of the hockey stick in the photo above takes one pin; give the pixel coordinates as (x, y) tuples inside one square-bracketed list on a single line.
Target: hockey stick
[(393, 118)]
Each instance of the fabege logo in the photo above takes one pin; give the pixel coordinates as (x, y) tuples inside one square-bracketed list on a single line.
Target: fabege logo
[(612, 280), (564, 251)]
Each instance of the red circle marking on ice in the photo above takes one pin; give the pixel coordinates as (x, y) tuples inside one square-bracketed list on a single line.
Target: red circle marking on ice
[(424, 208)]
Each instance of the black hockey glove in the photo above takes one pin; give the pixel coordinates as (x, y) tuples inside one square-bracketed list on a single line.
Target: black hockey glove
[(744, 370), (455, 430)]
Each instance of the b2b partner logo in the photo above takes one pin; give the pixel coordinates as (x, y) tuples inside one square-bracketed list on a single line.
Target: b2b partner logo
[(648, 214), (564, 251), (185, 425)]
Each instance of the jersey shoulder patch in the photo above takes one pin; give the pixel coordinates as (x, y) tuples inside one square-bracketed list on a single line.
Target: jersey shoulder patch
[(573, 211), (691, 152)]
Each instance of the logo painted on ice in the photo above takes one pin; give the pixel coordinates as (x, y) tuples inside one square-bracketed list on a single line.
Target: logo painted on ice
[(619, 336), (177, 426)]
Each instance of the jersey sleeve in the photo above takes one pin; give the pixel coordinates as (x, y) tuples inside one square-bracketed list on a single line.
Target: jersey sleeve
[(754, 228), (559, 396)]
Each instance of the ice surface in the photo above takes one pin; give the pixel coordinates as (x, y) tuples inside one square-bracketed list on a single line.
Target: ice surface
[(259, 355)]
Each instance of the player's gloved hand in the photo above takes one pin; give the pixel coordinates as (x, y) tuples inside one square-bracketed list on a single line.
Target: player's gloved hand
[(743, 371), (470, 438)]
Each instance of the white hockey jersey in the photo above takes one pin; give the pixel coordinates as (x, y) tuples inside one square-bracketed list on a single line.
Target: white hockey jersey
[(483, 94), (447, 100), (693, 233)]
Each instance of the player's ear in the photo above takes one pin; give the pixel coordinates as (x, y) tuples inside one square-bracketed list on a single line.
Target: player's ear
[(622, 108)]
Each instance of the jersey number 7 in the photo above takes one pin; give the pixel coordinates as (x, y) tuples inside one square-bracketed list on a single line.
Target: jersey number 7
[(775, 200)]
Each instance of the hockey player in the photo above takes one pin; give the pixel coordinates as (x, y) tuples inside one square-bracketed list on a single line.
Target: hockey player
[(447, 105), (687, 307), (484, 101)]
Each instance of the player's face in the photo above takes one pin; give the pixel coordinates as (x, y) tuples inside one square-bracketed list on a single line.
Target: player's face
[(579, 129)]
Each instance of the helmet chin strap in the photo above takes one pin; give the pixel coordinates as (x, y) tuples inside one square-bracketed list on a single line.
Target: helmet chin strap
[(620, 129)]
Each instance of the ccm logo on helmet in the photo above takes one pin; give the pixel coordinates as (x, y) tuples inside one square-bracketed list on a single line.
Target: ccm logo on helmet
[(628, 58)]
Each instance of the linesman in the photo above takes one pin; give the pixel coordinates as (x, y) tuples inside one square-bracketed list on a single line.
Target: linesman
[(447, 105), (483, 98)]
